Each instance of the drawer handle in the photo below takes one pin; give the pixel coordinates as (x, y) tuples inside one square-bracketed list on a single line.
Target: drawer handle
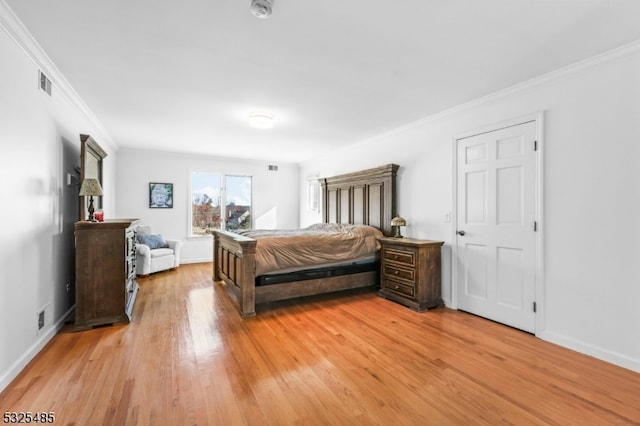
[(395, 257), (397, 287), (396, 272)]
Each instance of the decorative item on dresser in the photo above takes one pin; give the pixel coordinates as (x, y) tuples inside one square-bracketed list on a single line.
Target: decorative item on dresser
[(410, 272), (90, 187), (106, 286)]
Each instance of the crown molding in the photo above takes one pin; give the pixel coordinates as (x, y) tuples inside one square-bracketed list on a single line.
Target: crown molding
[(618, 53), (572, 69), (15, 29)]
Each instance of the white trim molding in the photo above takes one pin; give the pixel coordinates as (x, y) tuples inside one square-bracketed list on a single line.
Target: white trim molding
[(10, 23), (538, 118), (6, 377), (618, 53), (594, 351)]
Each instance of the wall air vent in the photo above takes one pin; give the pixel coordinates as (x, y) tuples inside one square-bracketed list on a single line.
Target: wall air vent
[(273, 168), (45, 83)]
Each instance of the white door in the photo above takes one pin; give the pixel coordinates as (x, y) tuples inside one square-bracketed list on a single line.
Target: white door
[(495, 240)]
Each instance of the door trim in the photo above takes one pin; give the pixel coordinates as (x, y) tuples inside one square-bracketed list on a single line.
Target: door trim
[(539, 283)]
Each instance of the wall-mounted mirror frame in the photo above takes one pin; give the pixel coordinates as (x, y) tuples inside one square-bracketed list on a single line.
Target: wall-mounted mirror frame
[(91, 156)]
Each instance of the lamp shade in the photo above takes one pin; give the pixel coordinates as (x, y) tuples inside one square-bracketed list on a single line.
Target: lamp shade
[(398, 221), (90, 186)]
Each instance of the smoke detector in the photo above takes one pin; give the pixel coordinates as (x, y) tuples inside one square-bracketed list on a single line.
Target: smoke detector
[(261, 8)]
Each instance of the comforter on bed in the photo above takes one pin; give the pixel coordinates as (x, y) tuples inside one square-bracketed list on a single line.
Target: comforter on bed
[(317, 245)]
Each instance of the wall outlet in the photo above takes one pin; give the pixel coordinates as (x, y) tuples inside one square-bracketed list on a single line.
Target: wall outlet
[(42, 317), (40, 320)]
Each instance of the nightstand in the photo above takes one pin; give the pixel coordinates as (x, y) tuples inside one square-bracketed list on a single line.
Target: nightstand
[(410, 272)]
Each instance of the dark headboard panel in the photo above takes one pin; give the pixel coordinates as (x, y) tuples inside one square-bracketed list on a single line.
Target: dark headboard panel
[(366, 197)]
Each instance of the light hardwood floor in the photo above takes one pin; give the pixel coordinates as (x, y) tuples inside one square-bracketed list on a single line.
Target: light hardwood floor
[(187, 358)]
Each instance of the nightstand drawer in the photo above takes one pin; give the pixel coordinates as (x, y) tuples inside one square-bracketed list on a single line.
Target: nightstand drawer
[(391, 271), (400, 288), (406, 257)]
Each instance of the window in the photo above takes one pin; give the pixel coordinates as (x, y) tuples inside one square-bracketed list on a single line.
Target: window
[(238, 205), (207, 210), (313, 195)]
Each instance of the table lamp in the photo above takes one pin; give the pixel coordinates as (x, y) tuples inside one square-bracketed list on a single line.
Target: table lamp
[(396, 223), (90, 187)]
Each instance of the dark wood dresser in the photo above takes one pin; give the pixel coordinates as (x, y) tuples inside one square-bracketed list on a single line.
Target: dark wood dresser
[(410, 272), (106, 285)]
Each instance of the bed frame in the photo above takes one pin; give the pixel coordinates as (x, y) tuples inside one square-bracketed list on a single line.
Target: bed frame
[(365, 198)]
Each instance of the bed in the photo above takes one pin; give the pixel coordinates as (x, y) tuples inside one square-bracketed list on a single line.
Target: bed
[(355, 201)]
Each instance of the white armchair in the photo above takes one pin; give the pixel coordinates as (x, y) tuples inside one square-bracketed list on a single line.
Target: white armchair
[(154, 253)]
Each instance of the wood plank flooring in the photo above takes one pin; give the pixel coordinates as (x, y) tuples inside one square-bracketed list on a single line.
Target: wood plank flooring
[(187, 358)]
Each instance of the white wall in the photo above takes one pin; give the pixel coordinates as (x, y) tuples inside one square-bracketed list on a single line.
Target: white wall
[(591, 283), (273, 203), (40, 145)]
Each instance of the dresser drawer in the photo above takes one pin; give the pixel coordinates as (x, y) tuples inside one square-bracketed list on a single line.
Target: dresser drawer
[(391, 271), (406, 257), (400, 288)]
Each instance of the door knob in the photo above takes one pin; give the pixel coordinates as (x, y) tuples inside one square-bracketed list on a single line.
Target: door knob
[(461, 233)]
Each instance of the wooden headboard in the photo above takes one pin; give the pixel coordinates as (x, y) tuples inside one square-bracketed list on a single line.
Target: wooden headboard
[(366, 197)]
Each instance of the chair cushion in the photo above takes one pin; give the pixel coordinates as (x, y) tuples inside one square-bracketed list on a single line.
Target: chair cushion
[(154, 241), (161, 252)]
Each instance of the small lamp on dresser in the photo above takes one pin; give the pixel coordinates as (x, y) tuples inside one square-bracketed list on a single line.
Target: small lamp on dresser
[(396, 223), (90, 187)]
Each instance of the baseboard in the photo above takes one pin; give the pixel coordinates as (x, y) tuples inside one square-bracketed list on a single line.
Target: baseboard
[(7, 377), (584, 348), (186, 261), (594, 351)]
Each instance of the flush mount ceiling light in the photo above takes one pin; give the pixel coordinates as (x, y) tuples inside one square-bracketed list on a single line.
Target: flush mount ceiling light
[(261, 8), (261, 120)]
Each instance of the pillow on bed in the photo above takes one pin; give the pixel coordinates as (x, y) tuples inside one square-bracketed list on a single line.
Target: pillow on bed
[(154, 241)]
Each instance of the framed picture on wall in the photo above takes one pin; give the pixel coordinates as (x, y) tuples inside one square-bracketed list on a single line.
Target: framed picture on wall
[(160, 195)]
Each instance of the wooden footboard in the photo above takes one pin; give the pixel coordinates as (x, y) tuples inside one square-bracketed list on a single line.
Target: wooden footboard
[(235, 264)]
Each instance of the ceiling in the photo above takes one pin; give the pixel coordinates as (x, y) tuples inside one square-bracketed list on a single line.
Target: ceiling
[(184, 75)]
